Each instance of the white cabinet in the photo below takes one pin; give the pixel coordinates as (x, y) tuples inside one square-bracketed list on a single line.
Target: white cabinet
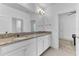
[(31, 47), (40, 45), (15, 48), (10, 48), (43, 43), (46, 42), (17, 52), (25, 48)]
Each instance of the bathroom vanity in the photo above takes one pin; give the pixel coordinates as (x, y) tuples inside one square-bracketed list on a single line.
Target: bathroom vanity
[(33, 44)]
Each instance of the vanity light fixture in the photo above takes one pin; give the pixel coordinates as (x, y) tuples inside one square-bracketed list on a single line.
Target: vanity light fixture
[(40, 11)]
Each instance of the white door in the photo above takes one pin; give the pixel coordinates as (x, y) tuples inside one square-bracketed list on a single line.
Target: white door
[(67, 26)]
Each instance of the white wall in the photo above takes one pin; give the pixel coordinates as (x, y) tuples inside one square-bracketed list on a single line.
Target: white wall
[(67, 26), (77, 30), (54, 11), (5, 24), (9, 12)]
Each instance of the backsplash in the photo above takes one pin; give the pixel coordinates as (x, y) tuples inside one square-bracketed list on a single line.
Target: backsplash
[(7, 35), (13, 35)]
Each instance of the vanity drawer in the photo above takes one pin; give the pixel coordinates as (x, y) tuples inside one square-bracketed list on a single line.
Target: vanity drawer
[(11, 47), (18, 52)]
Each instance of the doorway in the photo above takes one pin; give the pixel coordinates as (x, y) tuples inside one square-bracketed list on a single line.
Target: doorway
[(67, 27)]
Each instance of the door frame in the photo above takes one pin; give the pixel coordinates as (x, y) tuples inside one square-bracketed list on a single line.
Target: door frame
[(59, 22)]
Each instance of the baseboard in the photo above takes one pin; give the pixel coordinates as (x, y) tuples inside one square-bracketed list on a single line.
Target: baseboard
[(45, 51), (68, 39)]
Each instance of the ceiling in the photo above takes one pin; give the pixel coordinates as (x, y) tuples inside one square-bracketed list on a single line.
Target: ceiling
[(31, 7), (19, 7)]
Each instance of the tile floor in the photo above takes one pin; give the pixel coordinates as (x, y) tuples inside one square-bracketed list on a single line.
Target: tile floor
[(66, 49)]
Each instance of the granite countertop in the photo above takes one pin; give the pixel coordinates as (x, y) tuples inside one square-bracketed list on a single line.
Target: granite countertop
[(27, 36)]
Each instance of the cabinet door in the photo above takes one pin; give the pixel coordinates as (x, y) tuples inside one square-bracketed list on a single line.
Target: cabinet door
[(46, 42), (31, 48), (18, 52), (40, 45), (49, 40)]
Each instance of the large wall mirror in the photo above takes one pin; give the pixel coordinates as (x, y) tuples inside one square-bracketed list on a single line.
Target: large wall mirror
[(10, 24), (17, 25), (5, 24)]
